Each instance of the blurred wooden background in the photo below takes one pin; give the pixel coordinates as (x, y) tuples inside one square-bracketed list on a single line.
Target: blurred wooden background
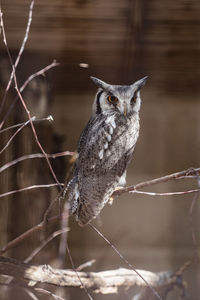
[(121, 41)]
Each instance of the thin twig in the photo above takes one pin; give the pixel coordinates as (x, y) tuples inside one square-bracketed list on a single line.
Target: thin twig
[(20, 51), (37, 228), (77, 274), (44, 243), (17, 89), (29, 290), (31, 187), (126, 262), (62, 194), (86, 265), (191, 171), (38, 73), (31, 77), (63, 240), (16, 132), (166, 194), (54, 201), (34, 131), (31, 294), (45, 292), (191, 211), (31, 156), (49, 118)]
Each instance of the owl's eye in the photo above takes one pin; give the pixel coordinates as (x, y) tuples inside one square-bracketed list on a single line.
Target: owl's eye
[(134, 98), (112, 99)]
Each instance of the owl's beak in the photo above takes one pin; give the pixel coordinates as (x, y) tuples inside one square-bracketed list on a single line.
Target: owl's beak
[(125, 109)]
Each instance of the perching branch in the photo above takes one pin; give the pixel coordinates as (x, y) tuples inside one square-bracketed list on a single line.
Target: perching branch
[(104, 282), (178, 175)]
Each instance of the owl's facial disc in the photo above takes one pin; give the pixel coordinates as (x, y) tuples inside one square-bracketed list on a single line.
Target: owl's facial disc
[(124, 99)]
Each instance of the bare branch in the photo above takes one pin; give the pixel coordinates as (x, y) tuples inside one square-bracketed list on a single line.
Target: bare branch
[(166, 194), (45, 292), (34, 131), (36, 155), (49, 118), (191, 171), (23, 236), (31, 294), (104, 282), (146, 282), (31, 77), (16, 132), (44, 243), (16, 85), (31, 187), (38, 73), (191, 219), (63, 240), (86, 265), (20, 51), (168, 281)]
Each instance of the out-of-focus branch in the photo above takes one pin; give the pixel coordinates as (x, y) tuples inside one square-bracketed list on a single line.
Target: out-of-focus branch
[(104, 282), (16, 84), (44, 243), (31, 77), (49, 118), (38, 73), (23, 236), (31, 187), (167, 282), (35, 155), (16, 132), (20, 51)]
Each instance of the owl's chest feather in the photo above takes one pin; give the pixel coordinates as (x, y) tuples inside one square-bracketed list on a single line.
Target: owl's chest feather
[(119, 135), (107, 144)]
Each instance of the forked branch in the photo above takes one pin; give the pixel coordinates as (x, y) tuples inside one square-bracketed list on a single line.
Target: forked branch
[(177, 175)]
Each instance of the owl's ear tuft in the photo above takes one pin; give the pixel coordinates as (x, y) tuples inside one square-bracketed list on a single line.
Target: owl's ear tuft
[(140, 83), (100, 83)]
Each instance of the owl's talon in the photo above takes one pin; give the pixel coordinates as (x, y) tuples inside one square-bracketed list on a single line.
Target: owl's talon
[(110, 201)]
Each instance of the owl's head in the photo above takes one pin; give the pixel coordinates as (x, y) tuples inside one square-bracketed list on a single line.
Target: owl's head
[(124, 99)]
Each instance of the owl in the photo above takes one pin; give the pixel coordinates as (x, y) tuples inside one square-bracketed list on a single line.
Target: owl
[(105, 148)]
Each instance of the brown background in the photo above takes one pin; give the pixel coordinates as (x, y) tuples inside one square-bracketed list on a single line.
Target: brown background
[(121, 41)]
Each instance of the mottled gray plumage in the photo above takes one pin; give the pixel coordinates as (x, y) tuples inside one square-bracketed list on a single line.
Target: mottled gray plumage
[(105, 148)]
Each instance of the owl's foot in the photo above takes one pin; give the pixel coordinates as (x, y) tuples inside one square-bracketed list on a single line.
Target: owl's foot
[(110, 201)]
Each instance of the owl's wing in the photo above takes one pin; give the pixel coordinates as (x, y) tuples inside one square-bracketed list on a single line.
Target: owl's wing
[(105, 148)]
